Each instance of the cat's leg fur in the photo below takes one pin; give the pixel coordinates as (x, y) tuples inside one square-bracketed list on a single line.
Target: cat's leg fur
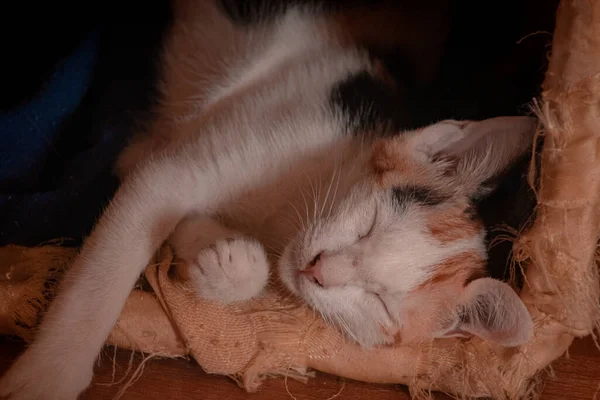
[(58, 365), (222, 264)]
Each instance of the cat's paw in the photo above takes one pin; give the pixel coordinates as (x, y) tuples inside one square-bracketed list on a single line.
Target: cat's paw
[(33, 377), (230, 270)]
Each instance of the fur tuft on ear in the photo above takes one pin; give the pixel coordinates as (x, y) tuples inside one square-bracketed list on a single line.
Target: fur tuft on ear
[(491, 310), (475, 152)]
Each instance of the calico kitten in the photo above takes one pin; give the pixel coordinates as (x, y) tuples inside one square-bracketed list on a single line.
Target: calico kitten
[(259, 143)]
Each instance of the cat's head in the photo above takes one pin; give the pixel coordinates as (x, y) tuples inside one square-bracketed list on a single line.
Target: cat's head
[(402, 255)]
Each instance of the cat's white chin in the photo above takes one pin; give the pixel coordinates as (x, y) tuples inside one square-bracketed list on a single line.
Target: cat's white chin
[(360, 315)]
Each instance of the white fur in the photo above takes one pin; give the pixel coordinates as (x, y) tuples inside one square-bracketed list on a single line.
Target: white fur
[(254, 154)]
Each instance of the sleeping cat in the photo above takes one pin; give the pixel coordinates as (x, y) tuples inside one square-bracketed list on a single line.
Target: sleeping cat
[(271, 142)]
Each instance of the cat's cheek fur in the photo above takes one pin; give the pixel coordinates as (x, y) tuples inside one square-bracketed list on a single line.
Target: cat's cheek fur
[(362, 316)]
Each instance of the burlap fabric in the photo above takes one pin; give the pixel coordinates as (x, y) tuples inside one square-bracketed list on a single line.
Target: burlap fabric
[(274, 335)]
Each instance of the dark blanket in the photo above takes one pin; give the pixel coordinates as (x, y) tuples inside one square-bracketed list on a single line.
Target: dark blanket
[(58, 146)]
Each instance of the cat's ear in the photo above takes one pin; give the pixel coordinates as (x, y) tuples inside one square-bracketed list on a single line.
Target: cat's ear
[(475, 151), (490, 309)]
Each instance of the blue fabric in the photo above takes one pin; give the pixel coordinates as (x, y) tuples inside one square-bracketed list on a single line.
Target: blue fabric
[(42, 199), (58, 149), (28, 132)]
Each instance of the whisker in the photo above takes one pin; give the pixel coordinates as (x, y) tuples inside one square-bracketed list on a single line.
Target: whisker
[(337, 185), (314, 198), (328, 192), (300, 220), (344, 325), (305, 203)]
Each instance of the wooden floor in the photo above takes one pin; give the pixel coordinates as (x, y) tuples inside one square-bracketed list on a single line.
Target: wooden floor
[(576, 378)]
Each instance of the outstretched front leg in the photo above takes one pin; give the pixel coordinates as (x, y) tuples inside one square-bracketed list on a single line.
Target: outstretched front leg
[(58, 365), (222, 264)]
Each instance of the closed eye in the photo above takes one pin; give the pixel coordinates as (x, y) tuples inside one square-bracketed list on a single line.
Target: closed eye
[(370, 231)]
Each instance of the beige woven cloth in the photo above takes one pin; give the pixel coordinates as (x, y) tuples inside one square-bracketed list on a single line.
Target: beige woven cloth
[(271, 335)]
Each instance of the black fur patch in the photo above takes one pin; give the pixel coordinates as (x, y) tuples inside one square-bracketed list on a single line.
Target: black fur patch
[(371, 105), (416, 194)]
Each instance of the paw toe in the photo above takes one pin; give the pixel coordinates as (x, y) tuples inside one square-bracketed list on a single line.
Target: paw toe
[(232, 270)]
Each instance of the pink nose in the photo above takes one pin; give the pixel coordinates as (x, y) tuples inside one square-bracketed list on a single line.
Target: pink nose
[(314, 270)]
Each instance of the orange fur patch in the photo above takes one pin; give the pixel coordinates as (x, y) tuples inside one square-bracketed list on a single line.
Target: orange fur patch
[(398, 338), (457, 271), (428, 305), (455, 224), (385, 158), (393, 165)]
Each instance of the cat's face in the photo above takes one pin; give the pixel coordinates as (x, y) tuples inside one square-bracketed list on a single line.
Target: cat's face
[(401, 256)]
